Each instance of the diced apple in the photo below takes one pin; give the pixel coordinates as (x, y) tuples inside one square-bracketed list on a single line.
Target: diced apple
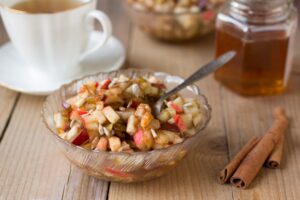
[(59, 120), (111, 114), (146, 119), (94, 142), (77, 136), (113, 98), (171, 121), (153, 79), (125, 147), (164, 116), (102, 144), (99, 116), (105, 84), (71, 101), (154, 124), (125, 114), (180, 123), (143, 139), (177, 108), (161, 138), (171, 111), (179, 101), (159, 85), (89, 118), (132, 124), (92, 126), (133, 104), (81, 138), (74, 116), (172, 137), (91, 85), (191, 107), (197, 119), (62, 135), (80, 99), (187, 119), (142, 109), (114, 143)]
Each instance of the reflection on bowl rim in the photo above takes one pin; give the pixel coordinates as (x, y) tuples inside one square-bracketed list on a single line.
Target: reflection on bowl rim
[(63, 87)]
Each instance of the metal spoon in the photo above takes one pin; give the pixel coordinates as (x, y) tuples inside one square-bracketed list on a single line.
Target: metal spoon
[(200, 73)]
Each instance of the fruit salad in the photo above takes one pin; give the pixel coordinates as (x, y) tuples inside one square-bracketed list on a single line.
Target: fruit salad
[(115, 115), (175, 20)]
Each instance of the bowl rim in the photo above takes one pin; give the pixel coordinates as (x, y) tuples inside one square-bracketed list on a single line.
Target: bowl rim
[(120, 71), (128, 6)]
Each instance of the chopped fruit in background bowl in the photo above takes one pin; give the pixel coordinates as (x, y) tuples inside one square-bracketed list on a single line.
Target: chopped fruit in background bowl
[(107, 117)]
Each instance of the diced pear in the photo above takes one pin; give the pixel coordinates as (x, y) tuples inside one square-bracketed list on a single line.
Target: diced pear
[(102, 144), (111, 114), (125, 114), (99, 116), (93, 126), (191, 107), (142, 109), (146, 119), (59, 121), (154, 124), (89, 118), (164, 116), (161, 138), (179, 101), (132, 124), (171, 111), (114, 143), (187, 119)]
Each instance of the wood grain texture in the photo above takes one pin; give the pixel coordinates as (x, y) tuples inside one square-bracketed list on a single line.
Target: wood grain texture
[(245, 117), (195, 178), (80, 186), (8, 99), (31, 167)]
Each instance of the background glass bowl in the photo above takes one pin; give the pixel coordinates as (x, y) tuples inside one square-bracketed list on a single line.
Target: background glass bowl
[(120, 166), (174, 27)]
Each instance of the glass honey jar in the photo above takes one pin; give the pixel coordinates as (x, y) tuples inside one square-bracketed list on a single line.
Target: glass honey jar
[(262, 32)]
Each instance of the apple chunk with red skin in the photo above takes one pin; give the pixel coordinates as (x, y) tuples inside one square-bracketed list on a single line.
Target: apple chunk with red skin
[(143, 139), (77, 136)]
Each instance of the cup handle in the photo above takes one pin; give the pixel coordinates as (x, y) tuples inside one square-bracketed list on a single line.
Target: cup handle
[(106, 27)]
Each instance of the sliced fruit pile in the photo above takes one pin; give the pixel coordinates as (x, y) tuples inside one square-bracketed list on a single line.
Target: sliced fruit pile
[(115, 115)]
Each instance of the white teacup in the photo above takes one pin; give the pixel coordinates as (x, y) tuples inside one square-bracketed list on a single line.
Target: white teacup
[(54, 43)]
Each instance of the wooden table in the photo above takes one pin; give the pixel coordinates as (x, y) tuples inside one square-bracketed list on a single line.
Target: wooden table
[(31, 167)]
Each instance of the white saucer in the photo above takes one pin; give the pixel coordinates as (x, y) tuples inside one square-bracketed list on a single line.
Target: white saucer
[(14, 74)]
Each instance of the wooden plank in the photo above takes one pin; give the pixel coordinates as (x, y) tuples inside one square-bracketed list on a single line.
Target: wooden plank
[(195, 178), (31, 166), (245, 117), (80, 186), (8, 99)]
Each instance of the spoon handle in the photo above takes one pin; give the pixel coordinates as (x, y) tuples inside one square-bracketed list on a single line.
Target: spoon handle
[(203, 71)]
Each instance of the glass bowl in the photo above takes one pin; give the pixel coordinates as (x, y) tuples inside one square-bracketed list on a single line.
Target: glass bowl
[(121, 166), (175, 27)]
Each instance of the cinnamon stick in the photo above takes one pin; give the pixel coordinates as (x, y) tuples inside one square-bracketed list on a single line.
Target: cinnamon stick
[(227, 172), (252, 163), (274, 159)]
